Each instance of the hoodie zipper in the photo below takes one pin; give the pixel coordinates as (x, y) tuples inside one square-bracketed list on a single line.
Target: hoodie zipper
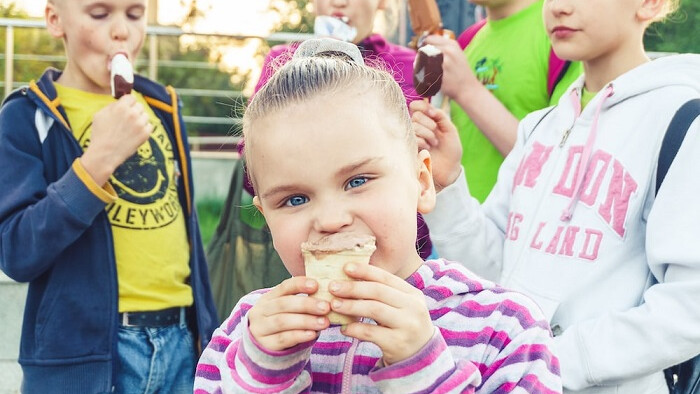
[(566, 136), (347, 366)]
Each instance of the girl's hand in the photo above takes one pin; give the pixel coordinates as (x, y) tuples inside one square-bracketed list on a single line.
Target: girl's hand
[(436, 133), (403, 321), (282, 318)]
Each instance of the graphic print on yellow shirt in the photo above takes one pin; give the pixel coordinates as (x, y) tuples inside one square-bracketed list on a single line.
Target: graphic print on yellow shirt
[(148, 225)]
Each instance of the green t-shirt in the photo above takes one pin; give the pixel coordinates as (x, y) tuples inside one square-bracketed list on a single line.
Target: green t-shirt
[(586, 97), (511, 58)]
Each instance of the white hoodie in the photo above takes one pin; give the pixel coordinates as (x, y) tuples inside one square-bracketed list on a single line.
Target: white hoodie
[(614, 267)]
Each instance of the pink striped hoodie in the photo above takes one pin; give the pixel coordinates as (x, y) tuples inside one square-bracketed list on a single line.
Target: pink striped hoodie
[(487, 339)]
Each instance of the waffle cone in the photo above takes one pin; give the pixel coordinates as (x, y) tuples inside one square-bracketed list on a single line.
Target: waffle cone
[(327, 266)]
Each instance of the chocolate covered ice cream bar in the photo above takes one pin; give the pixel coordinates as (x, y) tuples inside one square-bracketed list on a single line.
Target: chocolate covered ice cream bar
[(325, 258), (427, 71), (425, 16), (122, 75)]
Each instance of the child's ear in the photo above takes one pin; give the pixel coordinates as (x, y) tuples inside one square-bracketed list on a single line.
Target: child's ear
[(256, 202), (650, 10), (53, 20), (426, 197)]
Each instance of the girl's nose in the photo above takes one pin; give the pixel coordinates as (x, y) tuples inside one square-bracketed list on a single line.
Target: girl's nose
[(339, 3), (331, 217)]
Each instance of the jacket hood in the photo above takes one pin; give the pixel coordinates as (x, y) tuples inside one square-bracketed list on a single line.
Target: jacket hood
[(677, 71), (669, 71), (141, 84)]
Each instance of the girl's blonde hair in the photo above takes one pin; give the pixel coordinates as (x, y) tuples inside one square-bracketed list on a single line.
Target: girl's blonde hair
[(670, 6), (323, 66)]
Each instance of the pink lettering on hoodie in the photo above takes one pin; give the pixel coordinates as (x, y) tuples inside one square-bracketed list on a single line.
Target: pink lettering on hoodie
[(614, 209), (531, 166)]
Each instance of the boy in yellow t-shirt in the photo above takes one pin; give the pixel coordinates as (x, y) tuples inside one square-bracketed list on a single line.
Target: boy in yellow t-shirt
[(100, 220)]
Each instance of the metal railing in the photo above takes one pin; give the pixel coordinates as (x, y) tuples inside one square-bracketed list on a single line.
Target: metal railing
[(152, 63), (152, 33)]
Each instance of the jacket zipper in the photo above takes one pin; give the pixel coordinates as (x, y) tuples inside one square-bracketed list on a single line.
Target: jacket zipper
[(347, 367), (565, 136), (525, 243)]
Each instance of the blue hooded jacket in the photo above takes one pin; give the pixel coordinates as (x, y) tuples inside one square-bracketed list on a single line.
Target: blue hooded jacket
[(55, 234)]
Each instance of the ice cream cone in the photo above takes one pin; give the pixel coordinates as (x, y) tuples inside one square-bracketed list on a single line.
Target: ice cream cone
[(324, 261)]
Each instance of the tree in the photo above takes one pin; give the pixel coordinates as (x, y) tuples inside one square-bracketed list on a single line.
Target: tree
[(38, 40), (191, 67), (679, 33), (206, 75)]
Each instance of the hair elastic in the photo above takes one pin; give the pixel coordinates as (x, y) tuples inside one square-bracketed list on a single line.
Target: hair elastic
[(329, 47)]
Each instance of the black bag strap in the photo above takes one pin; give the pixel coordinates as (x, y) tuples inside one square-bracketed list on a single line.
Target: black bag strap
[(678, 377), (673, 139)]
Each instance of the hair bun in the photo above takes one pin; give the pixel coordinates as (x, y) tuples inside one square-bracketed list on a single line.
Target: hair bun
[(328, 47)]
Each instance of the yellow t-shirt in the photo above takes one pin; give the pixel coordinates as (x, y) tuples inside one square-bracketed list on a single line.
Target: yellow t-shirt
[(148, 225)]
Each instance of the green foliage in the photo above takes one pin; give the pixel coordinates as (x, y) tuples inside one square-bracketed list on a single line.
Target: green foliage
[(12, 10), (39, 40), (184, 74), (295, 16), (679, 33), (209, 211), (35, 50)]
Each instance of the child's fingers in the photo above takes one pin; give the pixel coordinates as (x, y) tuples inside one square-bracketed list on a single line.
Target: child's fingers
[(424, 137), (397, 345), (286, 339), (293, 285), (384, 314), (282, 322), (369, 333), (424, 119), (423, 144), (366, 272), (295, 304), (419, 106)]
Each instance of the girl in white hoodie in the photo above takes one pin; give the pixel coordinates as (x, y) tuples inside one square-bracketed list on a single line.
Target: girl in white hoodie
[(575, 221)]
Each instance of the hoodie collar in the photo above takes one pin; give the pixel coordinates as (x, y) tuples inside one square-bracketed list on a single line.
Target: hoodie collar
[(675, 70)]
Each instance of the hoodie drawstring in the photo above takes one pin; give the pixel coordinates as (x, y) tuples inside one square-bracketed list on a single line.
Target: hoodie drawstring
[(582, 167)]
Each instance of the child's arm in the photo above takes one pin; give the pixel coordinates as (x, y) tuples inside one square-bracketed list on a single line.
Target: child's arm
[(44, 208), (460, 228), (265, 345), (460, 84)]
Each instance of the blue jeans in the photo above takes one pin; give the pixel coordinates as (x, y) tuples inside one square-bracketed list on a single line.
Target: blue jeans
[(155, 360)]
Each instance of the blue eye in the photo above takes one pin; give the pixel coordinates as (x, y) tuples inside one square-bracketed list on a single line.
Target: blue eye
[(296, 201), (356, 182)]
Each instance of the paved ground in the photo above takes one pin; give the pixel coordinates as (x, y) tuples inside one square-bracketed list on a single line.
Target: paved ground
[(12, 295)]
